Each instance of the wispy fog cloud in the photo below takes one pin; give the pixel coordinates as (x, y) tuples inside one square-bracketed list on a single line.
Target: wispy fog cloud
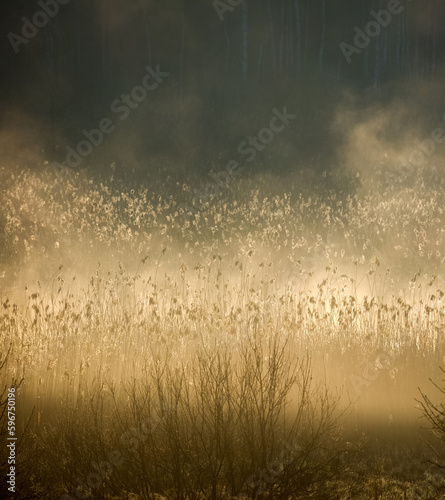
[(395, 136), (21, 138)]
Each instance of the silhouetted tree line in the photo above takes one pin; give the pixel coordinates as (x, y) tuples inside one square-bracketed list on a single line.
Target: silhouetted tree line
[(223, 51)]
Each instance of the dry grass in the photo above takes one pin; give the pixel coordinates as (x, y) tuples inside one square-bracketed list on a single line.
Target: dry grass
[(197, 350)]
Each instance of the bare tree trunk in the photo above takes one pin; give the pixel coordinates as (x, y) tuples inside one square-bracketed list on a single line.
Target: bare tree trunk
[(298, 35), (366, 55), (433, 18), (227, 40), (280, 60), (399, 63), (378, 62), (245, 37), (272, 37), (103, 40), (306, 38), (323, 36), (290, 39), (78, 38), (260, 66), (407, 55), (147, 31), (49, 54), (181, 55)]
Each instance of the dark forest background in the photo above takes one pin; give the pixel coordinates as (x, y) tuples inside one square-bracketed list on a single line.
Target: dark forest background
[(225, 77)]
